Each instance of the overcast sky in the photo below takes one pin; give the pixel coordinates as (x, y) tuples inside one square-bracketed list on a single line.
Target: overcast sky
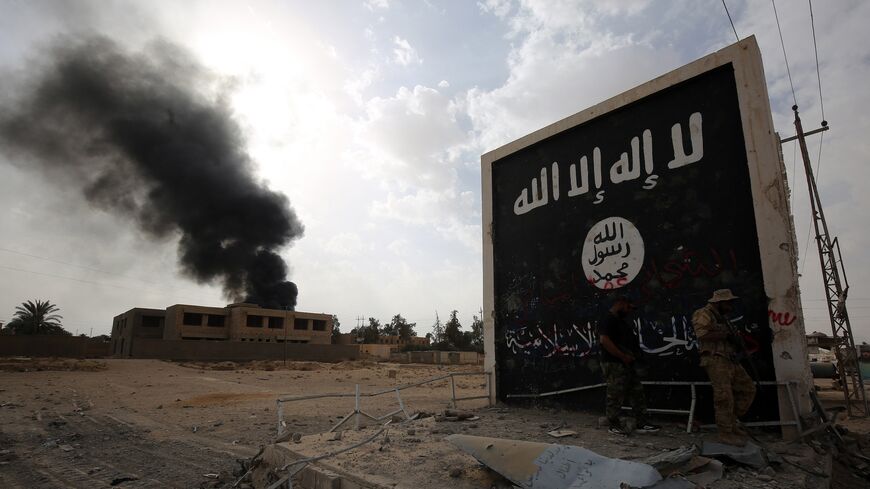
[(371, 117)]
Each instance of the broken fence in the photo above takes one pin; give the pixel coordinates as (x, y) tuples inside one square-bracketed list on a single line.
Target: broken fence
[(691, 411), (357, 414)]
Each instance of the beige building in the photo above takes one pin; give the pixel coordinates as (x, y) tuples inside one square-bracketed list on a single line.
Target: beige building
[(235, 322), (350, 339)]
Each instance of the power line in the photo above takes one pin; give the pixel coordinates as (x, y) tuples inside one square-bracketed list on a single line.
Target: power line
[(91, 282), (818, 72), (92, 269), (83, 267), (729, 20), (782, 43), (793, 172), (818, 174)]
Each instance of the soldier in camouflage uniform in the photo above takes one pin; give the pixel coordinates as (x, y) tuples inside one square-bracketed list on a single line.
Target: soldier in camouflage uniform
[(619, 352), (733, 389)]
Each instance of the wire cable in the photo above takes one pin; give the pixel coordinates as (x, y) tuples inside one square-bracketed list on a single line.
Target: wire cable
[(729, 20), (818, 72), (812, 218), (793, 173), (101, 284), (782, 43), (83, 267), (190, 292)]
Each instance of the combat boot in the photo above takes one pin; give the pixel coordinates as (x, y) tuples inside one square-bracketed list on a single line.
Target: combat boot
[(730, 438)]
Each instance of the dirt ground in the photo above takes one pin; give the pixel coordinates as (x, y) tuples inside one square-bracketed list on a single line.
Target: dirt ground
[(148, 423), (85, 424)]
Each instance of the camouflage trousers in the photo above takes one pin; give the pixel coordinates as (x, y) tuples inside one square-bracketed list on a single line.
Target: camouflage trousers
[(623, 385), (733, 390)]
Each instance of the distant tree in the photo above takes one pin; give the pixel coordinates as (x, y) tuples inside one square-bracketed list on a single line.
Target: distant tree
[(390, 329), (36, 317), (453, 331), (371, 333), (402, 328), (476, 339), (437, 331), (336, 328)]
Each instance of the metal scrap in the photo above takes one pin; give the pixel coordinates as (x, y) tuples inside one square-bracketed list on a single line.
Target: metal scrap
[(546, 465), (750, 454)]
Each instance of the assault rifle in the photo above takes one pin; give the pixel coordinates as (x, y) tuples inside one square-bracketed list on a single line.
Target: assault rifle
[(742, 352)]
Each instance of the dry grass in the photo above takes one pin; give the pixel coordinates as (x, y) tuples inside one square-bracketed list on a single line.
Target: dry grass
[(27, 364)]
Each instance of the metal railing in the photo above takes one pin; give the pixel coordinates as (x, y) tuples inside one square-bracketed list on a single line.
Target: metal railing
[(691, 411), (357, 414)]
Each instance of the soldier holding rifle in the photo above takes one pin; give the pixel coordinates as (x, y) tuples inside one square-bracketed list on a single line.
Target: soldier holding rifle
[(721, 350)]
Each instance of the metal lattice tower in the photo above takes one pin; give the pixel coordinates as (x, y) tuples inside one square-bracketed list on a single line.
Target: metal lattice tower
[(836, 288)]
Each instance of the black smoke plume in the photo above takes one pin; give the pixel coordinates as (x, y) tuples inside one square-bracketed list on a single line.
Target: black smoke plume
[(137, 134)]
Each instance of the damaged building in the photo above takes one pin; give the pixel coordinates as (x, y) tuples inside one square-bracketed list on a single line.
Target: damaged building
[(146, 333)]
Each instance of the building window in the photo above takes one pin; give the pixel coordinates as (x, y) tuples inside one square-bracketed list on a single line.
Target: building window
[(216, 320), (192, 319), (255, 321), (276, 322), (300, 323), (151, 321), (297, 341), (319, 325)]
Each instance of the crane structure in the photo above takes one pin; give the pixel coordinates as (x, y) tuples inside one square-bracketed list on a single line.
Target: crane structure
[(836, 286)]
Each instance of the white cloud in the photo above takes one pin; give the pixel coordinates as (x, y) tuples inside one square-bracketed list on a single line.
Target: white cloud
[(400, 247), (404, 54), (345, 244), (377, 4), (499, 8), (559, 69), (407, 138)]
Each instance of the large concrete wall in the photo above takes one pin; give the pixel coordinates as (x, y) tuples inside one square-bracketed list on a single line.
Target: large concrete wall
[(665, 193), (204, 350), (53, 346)]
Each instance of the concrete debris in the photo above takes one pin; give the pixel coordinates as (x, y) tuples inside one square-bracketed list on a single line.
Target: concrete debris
[(296, 437), (750, 454), (333, 436), (67, 448), (551, 466), (706, 474), (453, 415), (667, 462), (671, 483), (561, 433), (685, 463)]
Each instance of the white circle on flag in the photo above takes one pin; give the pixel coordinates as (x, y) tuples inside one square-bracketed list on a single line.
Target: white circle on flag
[(612, 253)]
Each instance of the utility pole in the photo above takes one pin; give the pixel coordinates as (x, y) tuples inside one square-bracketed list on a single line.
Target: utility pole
[(360, 322), (836, 286)]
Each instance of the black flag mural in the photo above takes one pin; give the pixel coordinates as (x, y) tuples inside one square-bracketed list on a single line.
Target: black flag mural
[(651, 200)]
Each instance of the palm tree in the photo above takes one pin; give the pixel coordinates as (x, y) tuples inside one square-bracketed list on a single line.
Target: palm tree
[(36, 317)]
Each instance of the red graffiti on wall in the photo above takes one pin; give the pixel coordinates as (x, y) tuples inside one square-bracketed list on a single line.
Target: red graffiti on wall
[(781, 318), (690, 264)]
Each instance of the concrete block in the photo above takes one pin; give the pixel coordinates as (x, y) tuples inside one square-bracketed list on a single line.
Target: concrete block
[(307, 477), (349, 484), (325, 479)]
